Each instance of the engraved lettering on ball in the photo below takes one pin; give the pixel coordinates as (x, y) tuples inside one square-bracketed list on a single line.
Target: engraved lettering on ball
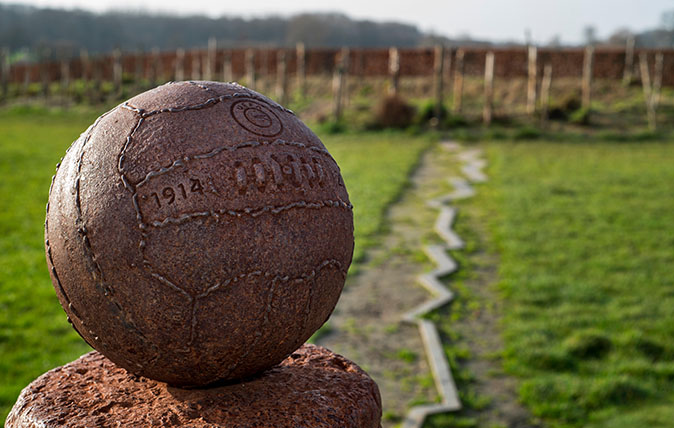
[(242, 179), (257, 118)]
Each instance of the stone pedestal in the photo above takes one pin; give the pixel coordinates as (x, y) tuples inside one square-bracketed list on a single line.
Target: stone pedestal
[(313, 387)]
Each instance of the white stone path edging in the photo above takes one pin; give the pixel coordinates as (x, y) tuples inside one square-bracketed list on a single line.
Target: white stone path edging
[(472, 169)]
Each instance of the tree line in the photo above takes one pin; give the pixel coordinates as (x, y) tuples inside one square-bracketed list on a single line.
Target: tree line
[(33, 33), (62, 33)]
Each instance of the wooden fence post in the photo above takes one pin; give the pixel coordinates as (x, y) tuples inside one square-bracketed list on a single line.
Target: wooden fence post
[(94, 88), (394, 69), (532, 80), (628, 73), (645, 75), (156, 71), (646, 84), (180, 65), (86, 71), (438, 86), (588, 62), (546, 84), (203, 64), (209, 70), (651, 89), (338, 81), (657, 79), (98, 70), (250, 68), (487, 114), (263, 81), (26, 81), (139, 70), (457, 97), (86, 65), (449, 52), (44, 78), (4, 72), (117, 71), (227, 73), (282, 77), (195, 69), (65, 76), (44, 71), (356, 73), (300, 52)]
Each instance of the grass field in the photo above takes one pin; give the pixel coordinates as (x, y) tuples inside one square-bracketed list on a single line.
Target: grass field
[(34, 334), (584, 235), (586, 239)]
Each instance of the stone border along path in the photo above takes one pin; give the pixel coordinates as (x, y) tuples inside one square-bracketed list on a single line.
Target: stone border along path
[(472, 169)]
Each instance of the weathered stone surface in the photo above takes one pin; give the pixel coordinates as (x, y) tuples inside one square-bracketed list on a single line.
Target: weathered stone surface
[(312, 388), (198, 232)]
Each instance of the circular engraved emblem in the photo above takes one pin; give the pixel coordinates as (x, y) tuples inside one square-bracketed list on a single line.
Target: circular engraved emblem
[(256, 117)]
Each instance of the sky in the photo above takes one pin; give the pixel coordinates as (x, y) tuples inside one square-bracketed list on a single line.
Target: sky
[(503, 20)]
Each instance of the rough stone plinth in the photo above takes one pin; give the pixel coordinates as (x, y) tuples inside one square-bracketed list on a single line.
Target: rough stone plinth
[(312, 388), (198, 232)]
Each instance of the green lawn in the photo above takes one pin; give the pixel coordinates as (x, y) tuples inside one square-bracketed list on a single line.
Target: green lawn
[(586, 239), (585, 234), (34, 334)]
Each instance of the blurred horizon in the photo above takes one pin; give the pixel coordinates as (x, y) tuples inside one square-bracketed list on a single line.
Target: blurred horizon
[(572, 22)]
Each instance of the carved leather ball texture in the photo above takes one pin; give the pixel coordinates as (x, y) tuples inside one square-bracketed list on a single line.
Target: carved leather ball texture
[(198, 232)]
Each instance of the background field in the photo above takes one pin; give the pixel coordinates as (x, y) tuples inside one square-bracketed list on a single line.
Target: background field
[(586, 237), (583, 236), (582, 233), (34, 334)]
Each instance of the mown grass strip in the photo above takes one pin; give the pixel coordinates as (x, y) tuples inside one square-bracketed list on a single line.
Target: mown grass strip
[(586, 235)]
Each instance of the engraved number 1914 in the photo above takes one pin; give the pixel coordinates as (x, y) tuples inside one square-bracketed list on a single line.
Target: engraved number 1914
[(169, 194)]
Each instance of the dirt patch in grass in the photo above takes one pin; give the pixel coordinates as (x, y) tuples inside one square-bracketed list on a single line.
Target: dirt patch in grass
[(366, 325), (471, 329), (470, 326), (481, 334)]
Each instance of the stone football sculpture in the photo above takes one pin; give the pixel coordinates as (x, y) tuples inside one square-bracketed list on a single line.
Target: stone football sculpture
[(198, 232)]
